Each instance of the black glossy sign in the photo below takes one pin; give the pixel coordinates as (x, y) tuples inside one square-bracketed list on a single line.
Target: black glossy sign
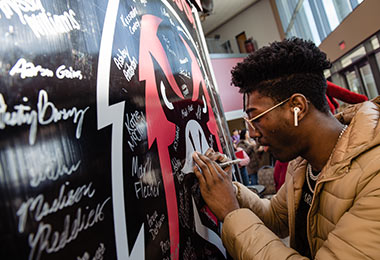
[(102, 104)]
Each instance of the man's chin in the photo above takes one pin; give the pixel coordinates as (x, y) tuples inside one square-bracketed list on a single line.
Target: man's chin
[(279, 156), (282, 160)]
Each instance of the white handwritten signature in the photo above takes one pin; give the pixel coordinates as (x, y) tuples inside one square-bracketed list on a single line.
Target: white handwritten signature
[(38, 208), (52, 173), (50, 241), (45, 114), (128, 67), (28, 70), (135, 124), (32, 13)]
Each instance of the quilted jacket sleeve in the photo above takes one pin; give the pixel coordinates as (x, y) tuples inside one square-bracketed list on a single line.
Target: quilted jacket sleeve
[(272, 212), (246, 237), (248, 233)]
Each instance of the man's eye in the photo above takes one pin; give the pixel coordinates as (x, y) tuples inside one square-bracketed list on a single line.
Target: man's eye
[(257, 120)]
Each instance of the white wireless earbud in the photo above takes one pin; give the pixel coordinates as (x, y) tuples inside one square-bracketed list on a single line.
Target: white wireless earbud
[(296, 111)]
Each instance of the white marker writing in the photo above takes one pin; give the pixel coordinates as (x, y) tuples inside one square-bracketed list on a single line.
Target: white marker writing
[(144, 190), (135, 124), (69, 73), (38, 208), (141, 170), (52, 172), (28, 70), (129, 70), (50, 241), (20, 7), (45, 114)]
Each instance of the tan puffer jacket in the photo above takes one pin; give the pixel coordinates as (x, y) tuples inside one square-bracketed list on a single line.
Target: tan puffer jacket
[(344, 218)]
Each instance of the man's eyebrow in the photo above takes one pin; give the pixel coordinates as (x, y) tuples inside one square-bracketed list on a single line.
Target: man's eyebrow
[(249, 110)]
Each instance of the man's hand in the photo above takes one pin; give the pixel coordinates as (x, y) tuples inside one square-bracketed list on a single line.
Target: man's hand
[(215, 184)]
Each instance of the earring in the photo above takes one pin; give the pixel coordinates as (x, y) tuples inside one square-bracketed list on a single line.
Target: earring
[(296, 111)]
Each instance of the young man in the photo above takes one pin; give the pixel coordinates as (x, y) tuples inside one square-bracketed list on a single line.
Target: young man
[(329, 205)]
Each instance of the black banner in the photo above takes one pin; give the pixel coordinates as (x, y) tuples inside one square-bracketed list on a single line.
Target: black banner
[(102, 104)]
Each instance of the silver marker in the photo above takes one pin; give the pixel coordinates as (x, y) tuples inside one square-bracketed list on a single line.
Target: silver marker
[(229, 163)]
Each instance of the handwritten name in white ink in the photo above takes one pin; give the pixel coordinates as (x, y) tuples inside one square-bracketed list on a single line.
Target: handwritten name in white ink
[(165, 13), (45, 114), (176, 164), (151, 219), (185, 73), (41, 22), (136, 125), (198, 114), (38, 208), (141, 170), (177, 170), (131, 18), (127, 66), (165, 246), (69, 73), (48, 240), (168, 45), (52, 172), (184, 209), (9, 7), (147, 190), (28, 70), (176, 140), (155, 224), (186, 111), (99, 254)]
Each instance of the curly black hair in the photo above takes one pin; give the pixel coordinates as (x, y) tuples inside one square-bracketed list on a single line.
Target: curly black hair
[(283, 68)]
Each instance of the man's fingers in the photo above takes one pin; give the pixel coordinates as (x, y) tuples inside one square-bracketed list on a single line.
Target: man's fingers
[(221, 157), (216, 156), (199, 175), (209, 151), (225, 170), (206, 166)]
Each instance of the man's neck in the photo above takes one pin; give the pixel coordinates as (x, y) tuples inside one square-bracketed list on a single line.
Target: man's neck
[(322, 140)]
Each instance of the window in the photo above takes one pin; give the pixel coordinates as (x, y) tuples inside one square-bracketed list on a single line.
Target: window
[(353, 56), (359, 69), (313, 19)]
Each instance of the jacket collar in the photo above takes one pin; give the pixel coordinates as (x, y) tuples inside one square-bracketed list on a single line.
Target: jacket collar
[(361, 135)]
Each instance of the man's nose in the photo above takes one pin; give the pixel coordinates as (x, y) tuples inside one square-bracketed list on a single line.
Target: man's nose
[(254, 133)]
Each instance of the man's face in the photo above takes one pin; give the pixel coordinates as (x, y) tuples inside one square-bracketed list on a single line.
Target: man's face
[(274, 128)]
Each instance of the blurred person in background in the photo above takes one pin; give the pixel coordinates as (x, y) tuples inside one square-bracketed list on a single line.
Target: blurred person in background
[(243, 156), (253, 151), (235, 137)]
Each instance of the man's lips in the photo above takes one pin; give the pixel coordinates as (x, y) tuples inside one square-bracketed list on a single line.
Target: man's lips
[(262, 143)]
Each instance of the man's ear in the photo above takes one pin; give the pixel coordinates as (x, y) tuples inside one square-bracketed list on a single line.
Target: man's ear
[(299, 106)]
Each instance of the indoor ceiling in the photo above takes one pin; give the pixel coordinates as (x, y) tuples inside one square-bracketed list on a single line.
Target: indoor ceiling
[(223, 11)]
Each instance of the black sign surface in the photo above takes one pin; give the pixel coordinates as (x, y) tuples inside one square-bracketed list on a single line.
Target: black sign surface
[(102, 104)]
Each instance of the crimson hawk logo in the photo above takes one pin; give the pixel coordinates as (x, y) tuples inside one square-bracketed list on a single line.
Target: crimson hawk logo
[(169, 94)]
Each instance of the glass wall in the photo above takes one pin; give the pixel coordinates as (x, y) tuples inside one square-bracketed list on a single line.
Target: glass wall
[(358, 70), (313, 19)]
